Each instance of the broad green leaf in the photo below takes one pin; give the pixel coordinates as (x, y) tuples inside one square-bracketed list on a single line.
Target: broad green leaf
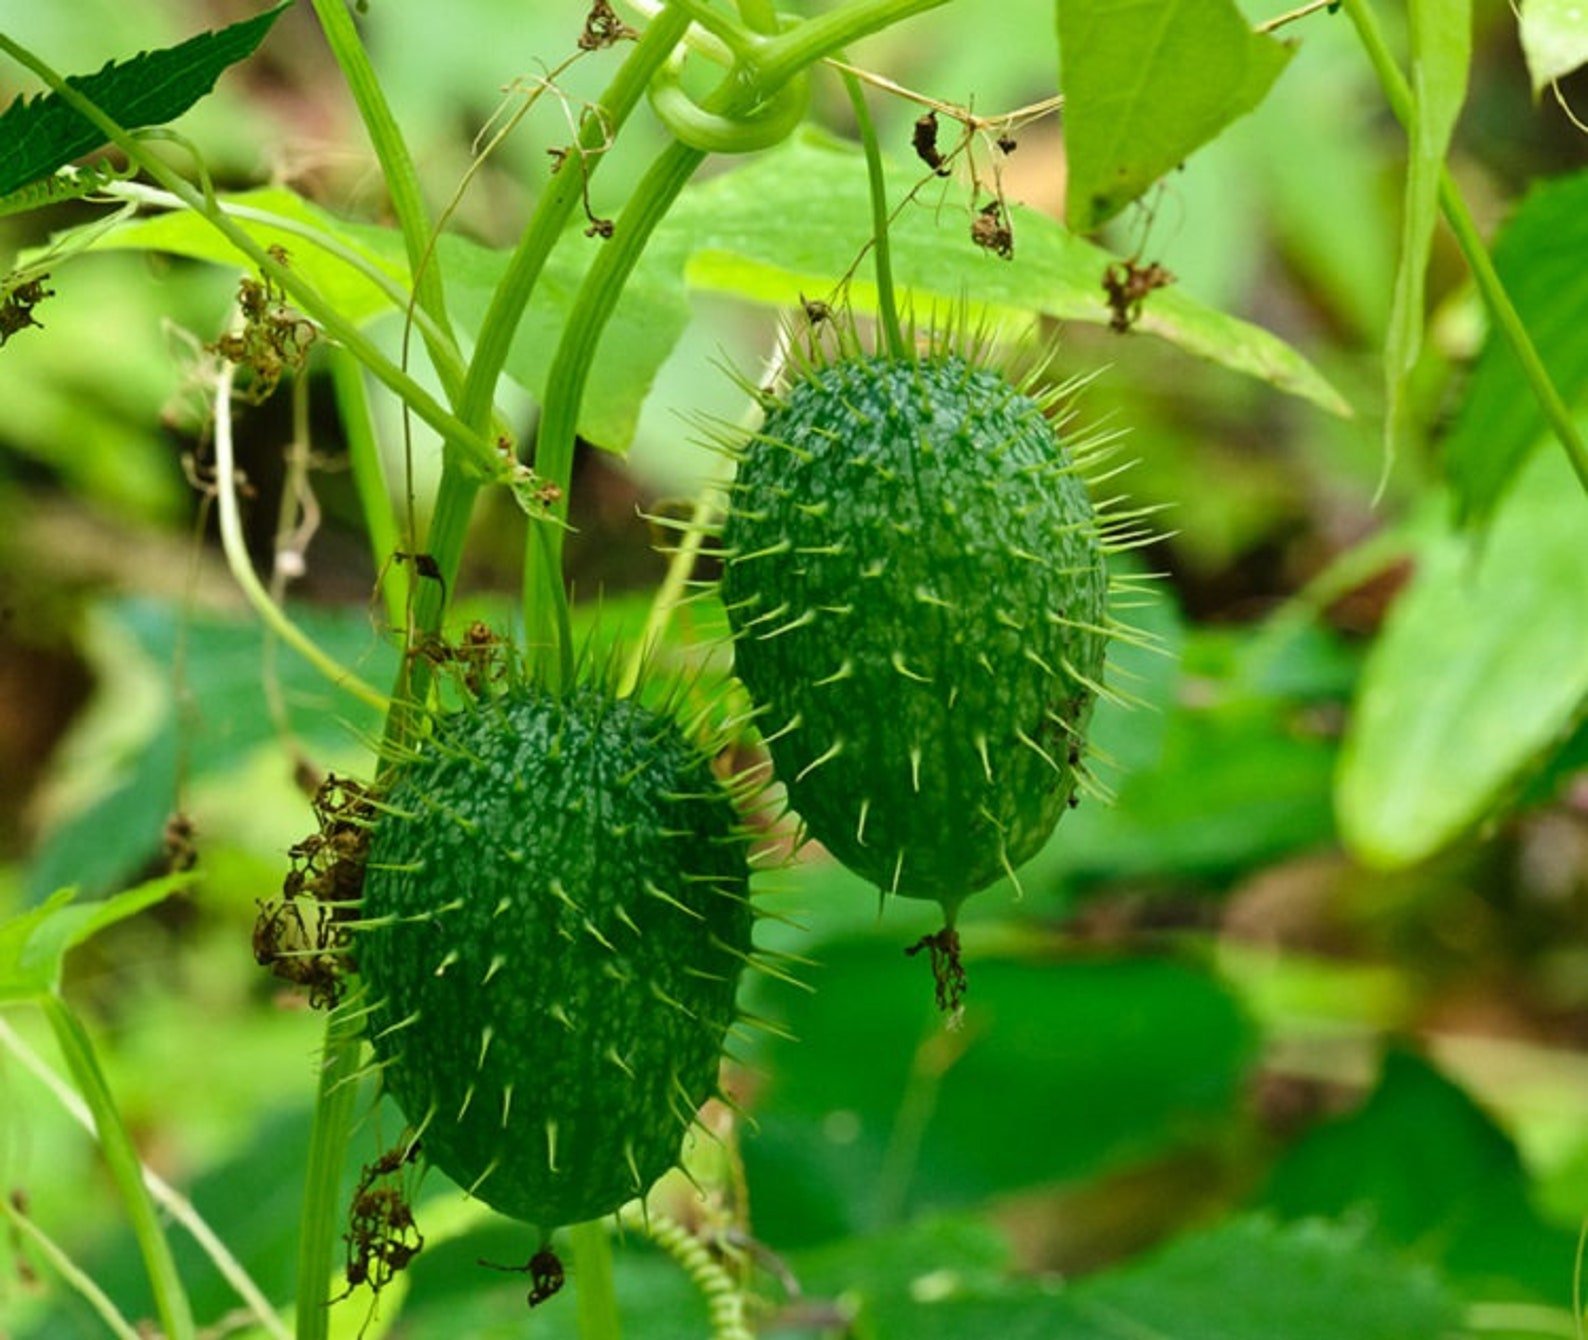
[(879, 1113), (649, 319), (1554, 39), (1441, 33), (764, 232), (33, 944), (1480, 669), (1539, 257), (40, 134), (1248, 1279), (1144, 85), (1429, 1171)]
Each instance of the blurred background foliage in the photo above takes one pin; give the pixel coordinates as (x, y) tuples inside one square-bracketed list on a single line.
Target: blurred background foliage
[(1291, 1039)]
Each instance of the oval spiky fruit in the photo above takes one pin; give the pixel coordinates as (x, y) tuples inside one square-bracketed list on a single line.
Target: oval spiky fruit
[(917, 589), (555, 915)]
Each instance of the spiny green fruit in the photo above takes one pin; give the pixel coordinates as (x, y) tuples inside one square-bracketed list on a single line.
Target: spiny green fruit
[(555, 916), (916, 583)]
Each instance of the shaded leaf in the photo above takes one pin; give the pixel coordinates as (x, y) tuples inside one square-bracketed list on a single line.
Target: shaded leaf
[(1246, 1280), (1554, 39), (33, 944), (1539, 259), (1481, 668), (1441, 33), (794, 221), (1431, 1172), (43, 133), (879, 1112), (1144, 85)]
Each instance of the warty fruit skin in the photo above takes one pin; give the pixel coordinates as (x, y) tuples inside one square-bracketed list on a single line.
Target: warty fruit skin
[(556, 915), (917, 590)]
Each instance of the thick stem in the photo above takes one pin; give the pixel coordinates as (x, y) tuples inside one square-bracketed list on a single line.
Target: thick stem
[(170, 1298), (592, 1281), (402, 184), (322, 1186), (1504, 314)]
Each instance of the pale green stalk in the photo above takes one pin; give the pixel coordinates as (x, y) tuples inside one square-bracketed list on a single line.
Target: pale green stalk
[(235, 547), (882, 248), (166, 1196), (321, 1217), (1459, 217), (592, 1281), (115, 1144), (74, 1275)]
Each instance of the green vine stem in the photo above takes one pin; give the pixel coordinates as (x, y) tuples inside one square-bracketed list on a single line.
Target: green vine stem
[(322, 1184), (882, 250), (402, 185), (170, 1299), (370, 481), (1484, 275), (472, 442), (778, 60), (165, 1195), (235, 547), (63, 1265), (592, 1279)]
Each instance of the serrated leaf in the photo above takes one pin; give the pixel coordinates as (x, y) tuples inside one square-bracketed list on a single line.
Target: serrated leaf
[(1481, 668), (1144, 85), (33, 944), (1441, 32), (1538, 256), (794, 220), (43, 133), (1554, 39)]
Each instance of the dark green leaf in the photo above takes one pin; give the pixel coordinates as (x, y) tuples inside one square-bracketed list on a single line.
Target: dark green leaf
[(40, 134), (1247, 1280), (1481, 669), (794, 221), (879, 1112), (1144, 85), (1431, 1172), (1539, 259)]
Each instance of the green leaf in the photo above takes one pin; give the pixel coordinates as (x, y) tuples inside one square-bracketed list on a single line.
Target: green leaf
[(1480, 669), (1432, 1173), (1539, 259), (794, 220), (33, 944), (40, 134), (1441, 32), (1554, 39), (878, 1112), (649, 319), (1144, 85), (1249, 1279)]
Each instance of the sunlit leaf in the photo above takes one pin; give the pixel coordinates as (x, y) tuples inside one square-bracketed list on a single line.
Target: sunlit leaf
[(1144, 85), (1554, 39), (1481, 668), (794, 221)]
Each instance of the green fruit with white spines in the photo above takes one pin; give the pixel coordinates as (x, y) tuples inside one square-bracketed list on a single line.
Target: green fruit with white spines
[(555, 917), (917, 586)]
